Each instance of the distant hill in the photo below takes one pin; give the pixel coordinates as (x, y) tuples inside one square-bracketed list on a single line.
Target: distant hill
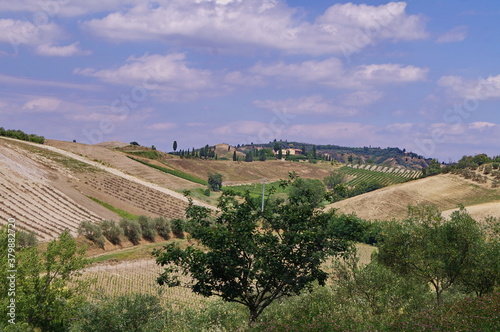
[(374, 155)]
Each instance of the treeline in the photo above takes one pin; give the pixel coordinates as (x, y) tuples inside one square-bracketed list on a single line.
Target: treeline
[(132, 229), (372, 155), (21, 135), (469, 167)]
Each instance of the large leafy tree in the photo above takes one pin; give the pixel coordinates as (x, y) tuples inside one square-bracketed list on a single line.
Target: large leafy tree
[(250, 256), (438, 251)]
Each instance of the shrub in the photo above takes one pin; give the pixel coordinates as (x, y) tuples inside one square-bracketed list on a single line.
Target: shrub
[(147, 227), (136, 313), (132, 230), (162, 227), (178, 227), (111, 231), (26, 239), (215, 181), (93, 232)]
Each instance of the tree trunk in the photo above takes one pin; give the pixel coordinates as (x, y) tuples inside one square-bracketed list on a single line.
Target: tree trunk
[(253, 316)]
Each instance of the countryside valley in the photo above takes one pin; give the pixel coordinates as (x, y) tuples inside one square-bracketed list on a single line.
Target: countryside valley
[(122, 202)]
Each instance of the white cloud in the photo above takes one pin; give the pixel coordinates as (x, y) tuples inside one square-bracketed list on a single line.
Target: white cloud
[(165, 76), (390, 73), (42, 37), (474, 89), (18, 32), (480, 125), (49, 9), (331, 72), (342, 29), (345, 106), (43, 104), (457, 34), (13, 80), (310, 105), (63, 51), (162, 126)]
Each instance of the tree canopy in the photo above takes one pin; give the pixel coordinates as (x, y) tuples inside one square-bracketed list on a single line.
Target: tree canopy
[(440, 252), (253, 257)]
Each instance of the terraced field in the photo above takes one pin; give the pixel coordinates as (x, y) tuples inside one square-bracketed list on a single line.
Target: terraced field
[(130, 194), (39, 207)]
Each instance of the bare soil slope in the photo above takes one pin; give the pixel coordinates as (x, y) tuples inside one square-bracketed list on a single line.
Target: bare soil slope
[(119, 160), (247, 172), (446, 191), (46, 189), (35, 191)]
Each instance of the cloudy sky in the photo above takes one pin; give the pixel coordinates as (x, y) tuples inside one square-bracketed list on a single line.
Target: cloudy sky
[(420, 75)]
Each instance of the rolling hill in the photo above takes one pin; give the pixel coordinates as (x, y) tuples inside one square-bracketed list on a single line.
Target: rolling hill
[(54, 186), (446, 191)]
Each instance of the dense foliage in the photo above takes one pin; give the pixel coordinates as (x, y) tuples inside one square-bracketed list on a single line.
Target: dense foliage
[(19, 134), (254, 257)]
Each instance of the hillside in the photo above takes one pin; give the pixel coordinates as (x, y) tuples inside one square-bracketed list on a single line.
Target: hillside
[(446, 191), (374, 155), (47, 189)]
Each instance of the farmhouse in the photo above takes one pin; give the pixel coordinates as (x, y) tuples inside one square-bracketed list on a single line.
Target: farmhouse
[(291, 152)]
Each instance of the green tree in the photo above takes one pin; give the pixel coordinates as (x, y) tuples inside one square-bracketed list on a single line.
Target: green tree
[(175, 146), (431, 248), (376, 289), (262, 155), (163, 227), (249, 157), (111, 231), (306, 191), (148, 228), (93, 232), (335, 178), (215, 181), (252, 257), (481, 159), (235, 157), (43, 296), (280, 153), (132, 230), (178, 227)]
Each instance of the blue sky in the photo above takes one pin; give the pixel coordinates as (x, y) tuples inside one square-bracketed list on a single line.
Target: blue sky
[(420, 75)]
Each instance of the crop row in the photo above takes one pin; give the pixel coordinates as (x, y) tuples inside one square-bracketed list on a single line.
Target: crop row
[(129, 277), (41, 209), (404, 172), (359, 175), (139, 196)]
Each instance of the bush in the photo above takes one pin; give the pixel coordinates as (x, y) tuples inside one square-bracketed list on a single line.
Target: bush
[(147, 227), (111, 231), (132, 230), (215, 181), (135, 313), (26, 239), (178, 228), (162, 227), (93, 232)]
